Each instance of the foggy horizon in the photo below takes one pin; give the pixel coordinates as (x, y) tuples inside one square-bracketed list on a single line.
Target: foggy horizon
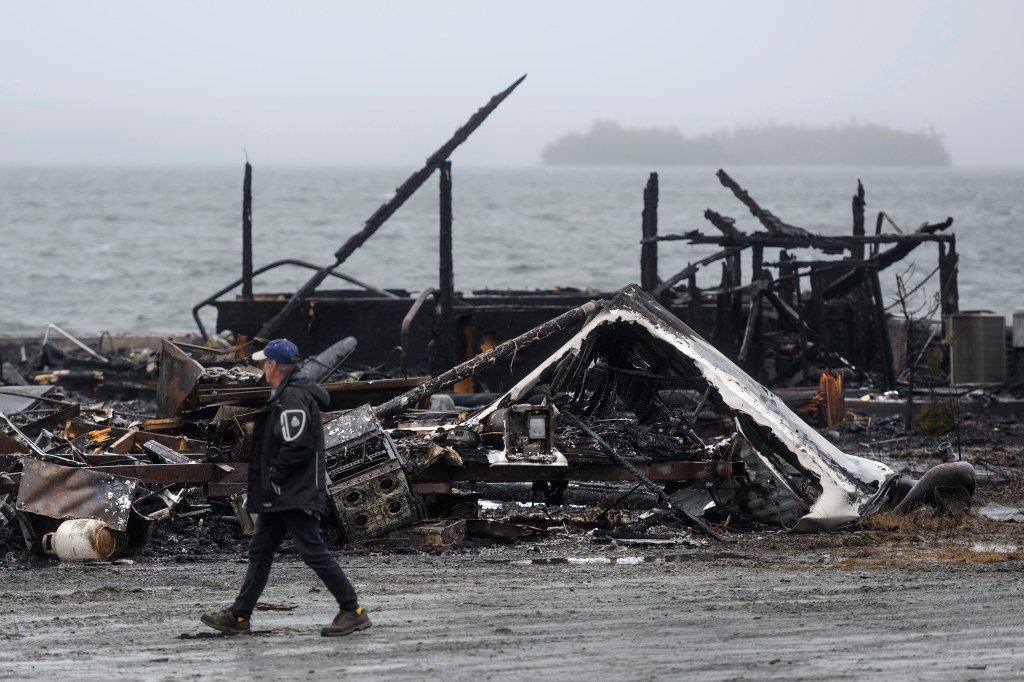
[(338, 84)]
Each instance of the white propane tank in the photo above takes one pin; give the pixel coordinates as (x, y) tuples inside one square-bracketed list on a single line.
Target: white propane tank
[(81, 540)]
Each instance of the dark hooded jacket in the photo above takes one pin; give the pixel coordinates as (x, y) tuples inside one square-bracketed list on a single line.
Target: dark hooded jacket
[(287, 468)]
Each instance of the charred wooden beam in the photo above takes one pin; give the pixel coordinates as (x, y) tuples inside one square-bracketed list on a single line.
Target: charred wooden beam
[(416, 179), (881, 330), (446, 285), (738, 319), (949, 266), (903, 247), (385, 211), (484, 360), (826, 265), (649, 249), (787, 277), (790, 314), (863, 309), (858, 221), (693, 268), (818, 304), (725, 224), (724, 329), (247, 233), (754, 316), (878, 231), (694, 306), (770, 221), (827, 244)]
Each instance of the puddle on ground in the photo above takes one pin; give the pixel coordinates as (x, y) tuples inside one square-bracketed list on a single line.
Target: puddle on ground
[(494, 505), (617, 560), (994, 547)]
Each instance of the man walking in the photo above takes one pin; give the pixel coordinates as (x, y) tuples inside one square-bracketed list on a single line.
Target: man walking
[(288, 491)]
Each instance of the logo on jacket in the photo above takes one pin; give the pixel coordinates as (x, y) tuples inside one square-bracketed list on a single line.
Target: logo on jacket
[(292, 424)]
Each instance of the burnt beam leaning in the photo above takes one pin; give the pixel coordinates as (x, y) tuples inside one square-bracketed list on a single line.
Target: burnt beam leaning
[(385, 211)]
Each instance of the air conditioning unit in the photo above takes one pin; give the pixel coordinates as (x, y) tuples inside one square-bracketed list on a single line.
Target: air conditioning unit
[(977, 349), (1018, 327)]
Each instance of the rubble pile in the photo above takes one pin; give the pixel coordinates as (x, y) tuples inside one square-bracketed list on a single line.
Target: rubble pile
[(615, 418), (636, 417)]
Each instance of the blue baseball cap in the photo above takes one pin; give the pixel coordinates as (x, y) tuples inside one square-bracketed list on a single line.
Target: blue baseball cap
[(279, 350)]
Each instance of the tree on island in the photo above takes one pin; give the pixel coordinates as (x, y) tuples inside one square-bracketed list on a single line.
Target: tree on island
[(856, 144)]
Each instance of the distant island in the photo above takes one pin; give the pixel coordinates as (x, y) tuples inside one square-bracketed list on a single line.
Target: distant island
[(868, 144)]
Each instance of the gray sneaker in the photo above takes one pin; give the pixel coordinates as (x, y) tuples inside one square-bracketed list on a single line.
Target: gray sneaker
[(347, 622), (226, 621)]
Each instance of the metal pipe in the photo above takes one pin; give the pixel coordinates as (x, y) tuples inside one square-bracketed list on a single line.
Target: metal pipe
[(72, 339), (270, 266)]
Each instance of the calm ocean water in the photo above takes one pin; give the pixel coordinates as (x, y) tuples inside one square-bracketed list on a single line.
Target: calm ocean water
[(134, 249)]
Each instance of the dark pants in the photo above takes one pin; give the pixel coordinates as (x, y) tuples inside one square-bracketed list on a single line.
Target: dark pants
[(304, 530)]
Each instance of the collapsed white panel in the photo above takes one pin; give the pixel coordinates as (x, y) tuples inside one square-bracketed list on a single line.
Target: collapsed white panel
[(848, 483)]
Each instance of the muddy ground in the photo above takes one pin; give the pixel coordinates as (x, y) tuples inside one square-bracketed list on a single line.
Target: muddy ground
[(920, 596)]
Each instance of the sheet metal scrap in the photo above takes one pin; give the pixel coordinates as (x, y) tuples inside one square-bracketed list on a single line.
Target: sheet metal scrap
[(50, 493), (188, 372), (119, 508), (194, 377), (633, 327)]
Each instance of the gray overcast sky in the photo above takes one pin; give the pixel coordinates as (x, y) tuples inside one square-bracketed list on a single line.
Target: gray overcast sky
[(346, 83)]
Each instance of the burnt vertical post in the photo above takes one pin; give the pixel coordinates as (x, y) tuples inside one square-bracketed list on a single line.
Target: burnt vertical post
[(863, 326), (878, 231), (949, 294), (649, 247), (724, 328), (861, 298), (694, 306), (751, 342), (881, 331), (247, 233), (857, 250), (738, 319), (385, 211), (752, 347), (801, 312), (445, 346), (818, 307), (787, 279)]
